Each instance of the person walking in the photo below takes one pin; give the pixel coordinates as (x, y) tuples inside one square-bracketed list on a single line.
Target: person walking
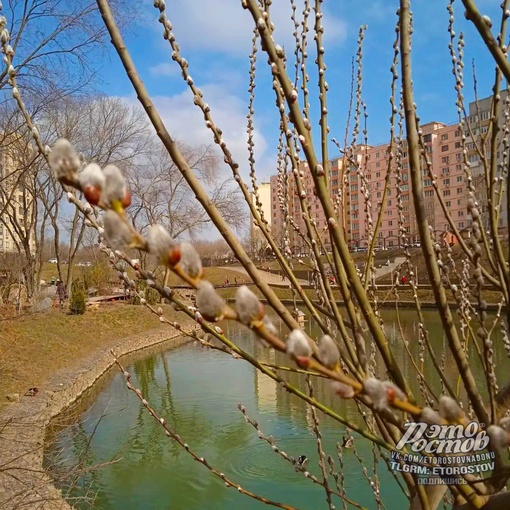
[(61, 292)]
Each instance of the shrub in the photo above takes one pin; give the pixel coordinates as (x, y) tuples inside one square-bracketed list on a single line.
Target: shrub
[(151, 295), (78, 301)]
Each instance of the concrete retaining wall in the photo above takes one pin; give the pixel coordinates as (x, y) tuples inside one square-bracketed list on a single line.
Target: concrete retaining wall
[(24, 484)]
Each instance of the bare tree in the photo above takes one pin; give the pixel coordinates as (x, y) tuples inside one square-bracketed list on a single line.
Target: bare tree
[(162, 195), (355, 351), (56, 45)]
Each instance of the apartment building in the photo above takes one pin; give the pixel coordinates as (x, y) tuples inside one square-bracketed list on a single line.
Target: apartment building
[(290, 203), (358, 190), (263, 201), (478, 145), (17, 211)]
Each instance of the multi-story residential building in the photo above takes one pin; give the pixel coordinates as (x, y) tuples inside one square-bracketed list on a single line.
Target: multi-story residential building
[(17, 209), (295, 221), (264, 203), (478, 134), (358, 187), (351, 185)]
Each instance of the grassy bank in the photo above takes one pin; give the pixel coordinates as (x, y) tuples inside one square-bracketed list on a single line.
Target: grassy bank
[(35, 346)]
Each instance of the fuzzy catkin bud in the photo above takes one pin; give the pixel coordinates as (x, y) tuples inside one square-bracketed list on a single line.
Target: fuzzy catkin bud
[(499, 436), (190, 260), (116, 231), (342, 390), (298, 345), (377, 393), (160, 242), (504, 423), (92, 181), (92, 175), (247, 306), (64, 161), (329, 354), (394, 392), (268, 323), (115, 184), (210, 304), (449, 409)]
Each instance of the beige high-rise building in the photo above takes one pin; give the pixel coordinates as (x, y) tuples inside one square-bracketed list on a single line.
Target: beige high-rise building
[(478, 140), (353, 188), (17, 214), (262, 201)]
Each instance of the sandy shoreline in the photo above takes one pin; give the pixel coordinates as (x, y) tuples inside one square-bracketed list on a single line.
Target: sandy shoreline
[(23, 425)]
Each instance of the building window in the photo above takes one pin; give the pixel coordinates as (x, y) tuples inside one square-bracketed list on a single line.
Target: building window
[(427, 182), (445, 170), (461, 213), (377, 154), (428, 193), (458, 167), (378, 194), (390, 223), (446, 182), (444, 148), (377, 175), (334, 182), (460, 178), (446, 193), (485, 115), (377, 164), (470, 146), (473, 158), (444, 137), (354, 187), (458, 145), (448, 203), (445, 159), (354, 197), (461, 224), (459, 191), (427, 138), (458, 132), (458, 156)]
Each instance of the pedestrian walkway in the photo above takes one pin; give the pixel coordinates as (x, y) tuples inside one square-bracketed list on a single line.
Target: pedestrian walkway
[(267, 276)]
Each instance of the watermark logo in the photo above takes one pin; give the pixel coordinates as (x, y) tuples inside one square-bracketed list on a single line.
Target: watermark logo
[(441, 454)]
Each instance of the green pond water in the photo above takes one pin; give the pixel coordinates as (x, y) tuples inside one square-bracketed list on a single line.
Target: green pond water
[(197, 390)]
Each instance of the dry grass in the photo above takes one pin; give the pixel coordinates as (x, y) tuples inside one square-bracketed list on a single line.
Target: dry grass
[(35, 346), (216, 276)]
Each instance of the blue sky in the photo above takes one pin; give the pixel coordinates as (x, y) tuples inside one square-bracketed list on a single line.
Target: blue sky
[(215, 38)]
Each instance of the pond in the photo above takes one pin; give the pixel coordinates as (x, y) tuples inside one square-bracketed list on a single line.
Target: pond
[(197, 390)]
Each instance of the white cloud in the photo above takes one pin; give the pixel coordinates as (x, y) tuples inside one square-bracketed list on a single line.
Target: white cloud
[(185, 122), (165, 69), (223, 25)]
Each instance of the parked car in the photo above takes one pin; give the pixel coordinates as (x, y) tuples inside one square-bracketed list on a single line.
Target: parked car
[(52, 261)]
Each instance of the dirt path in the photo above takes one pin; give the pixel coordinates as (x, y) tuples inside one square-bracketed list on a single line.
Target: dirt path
[(268, 277)]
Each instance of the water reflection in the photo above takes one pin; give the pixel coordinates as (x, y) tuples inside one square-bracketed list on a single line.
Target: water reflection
[(197, 391)]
